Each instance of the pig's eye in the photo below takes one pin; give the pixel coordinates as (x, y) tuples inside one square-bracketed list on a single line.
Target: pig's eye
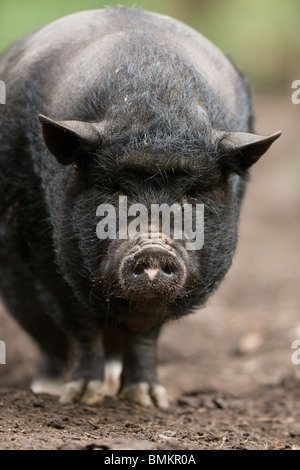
[(192, 193), (113, 186), (118, 189), (192, 197)]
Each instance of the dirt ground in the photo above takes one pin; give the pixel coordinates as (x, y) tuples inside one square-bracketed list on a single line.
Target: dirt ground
[(227, 368)]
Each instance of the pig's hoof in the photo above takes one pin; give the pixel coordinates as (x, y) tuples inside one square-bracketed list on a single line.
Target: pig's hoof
[(113, 369), (93, 392), (48, 385), (146, 395), (159, 396), (89, 392)]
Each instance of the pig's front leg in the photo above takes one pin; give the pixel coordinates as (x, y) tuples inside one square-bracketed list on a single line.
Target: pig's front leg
[(86, 374), (139, 378)]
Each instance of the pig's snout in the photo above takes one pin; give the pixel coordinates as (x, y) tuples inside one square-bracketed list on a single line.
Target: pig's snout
[(153, 269), (154, 261)]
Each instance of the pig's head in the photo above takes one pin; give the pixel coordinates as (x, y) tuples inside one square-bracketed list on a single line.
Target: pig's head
[(149, 278)]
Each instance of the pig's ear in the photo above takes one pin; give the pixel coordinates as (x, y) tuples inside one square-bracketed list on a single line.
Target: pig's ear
[(67, 140), (242, 149)]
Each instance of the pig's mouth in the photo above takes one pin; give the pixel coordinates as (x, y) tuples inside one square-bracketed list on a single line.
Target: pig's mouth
[(143, 279)]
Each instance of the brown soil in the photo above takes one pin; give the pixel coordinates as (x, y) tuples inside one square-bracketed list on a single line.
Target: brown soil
[(227, 368)]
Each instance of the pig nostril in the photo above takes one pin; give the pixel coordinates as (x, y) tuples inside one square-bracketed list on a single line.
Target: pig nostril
[(165, 269), (139, 269), (169, 270), (154, 262)]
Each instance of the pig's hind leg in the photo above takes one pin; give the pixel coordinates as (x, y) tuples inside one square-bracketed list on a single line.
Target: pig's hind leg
[(49, 377), (19, 293), (70, 341)]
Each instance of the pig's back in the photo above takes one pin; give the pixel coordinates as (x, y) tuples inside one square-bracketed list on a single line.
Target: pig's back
[(72, 54)]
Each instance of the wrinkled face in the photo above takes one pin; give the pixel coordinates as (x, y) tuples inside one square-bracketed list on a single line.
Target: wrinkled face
[(154, 272), (119, 262)]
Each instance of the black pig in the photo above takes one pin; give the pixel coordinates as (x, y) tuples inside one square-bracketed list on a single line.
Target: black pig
[(103, 104)]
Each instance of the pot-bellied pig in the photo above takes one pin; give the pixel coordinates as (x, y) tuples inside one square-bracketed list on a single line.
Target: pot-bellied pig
[(125, 144)]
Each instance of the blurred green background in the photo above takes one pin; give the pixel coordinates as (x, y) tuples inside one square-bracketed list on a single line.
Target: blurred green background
[(261, 36)]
